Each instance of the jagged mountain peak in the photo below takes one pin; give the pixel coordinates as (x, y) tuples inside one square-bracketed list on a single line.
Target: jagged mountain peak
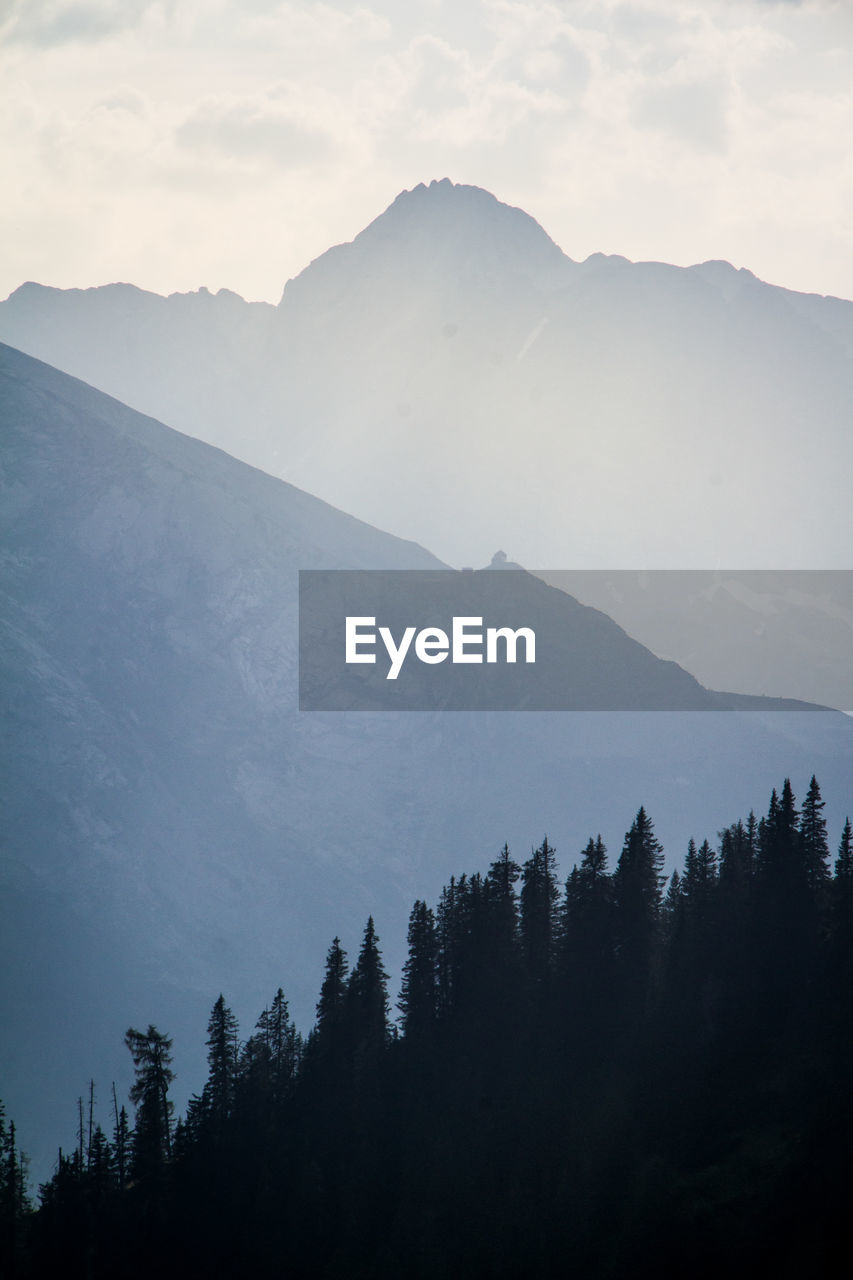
[(461, 228), (458, 209)]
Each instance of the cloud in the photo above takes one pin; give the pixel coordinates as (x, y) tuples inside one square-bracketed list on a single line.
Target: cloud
[(49, 23), (124, 99), (254, 131), (440, 77), (693, 112)]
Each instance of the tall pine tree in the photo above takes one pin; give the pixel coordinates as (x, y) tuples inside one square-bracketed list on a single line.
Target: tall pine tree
[(637, 888), (539, 915), (222, 1058), (813, 842), (151, 1051), (368, 994), (419, 993)]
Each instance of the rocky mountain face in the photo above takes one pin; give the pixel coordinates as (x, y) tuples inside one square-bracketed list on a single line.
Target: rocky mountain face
[(173, 826), (452, 375)]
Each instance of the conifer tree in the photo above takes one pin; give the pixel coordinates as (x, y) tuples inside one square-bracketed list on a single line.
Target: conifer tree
[(787, 912), (764, 864), (495, 940), (449, 934), (419, 991), (14, 1201), (222, 1058), (751, 837), (693, 963), (101, 1165), (700, 878), (844, 861), (121, 1142), (271, 1056), (672, 906), (539, 898), (781, 865), (193, 1123), (587, 916), (329, 1041), (475, 949), (368, 993), (282, 1045), (594, 862), (333, 990), (587, 950), (736, 918), (637, 886), (842, 887), (815, 849), (738, 844), (779, 847), (152, 1061), (502, 901), (690, 866)]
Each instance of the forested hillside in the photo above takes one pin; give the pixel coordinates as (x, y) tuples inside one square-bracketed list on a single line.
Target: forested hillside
[(621, 1074)]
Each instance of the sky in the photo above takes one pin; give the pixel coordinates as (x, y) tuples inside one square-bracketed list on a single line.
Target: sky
[(226, 143)]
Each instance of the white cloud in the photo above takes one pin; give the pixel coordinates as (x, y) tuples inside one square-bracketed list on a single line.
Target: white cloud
[(47, 23), (257, 131), (694, 111)]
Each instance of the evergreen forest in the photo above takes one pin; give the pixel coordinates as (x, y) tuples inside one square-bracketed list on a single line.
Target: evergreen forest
[(617, 1075)]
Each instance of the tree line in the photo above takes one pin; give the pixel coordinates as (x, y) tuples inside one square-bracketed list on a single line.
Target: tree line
[(626, 1073)]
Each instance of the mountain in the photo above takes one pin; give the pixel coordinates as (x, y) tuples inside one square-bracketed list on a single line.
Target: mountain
[(760, 632), (452, 375), (188, 359), (148, 621), (173, 826)]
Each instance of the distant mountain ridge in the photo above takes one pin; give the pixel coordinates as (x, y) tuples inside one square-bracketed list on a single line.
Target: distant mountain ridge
[(451, 374)]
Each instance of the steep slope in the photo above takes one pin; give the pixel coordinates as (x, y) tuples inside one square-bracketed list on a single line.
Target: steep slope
[(765, 632), (452, 375), (174, 827)]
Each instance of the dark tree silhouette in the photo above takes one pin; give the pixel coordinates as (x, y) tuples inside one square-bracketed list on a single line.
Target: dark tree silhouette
[(419, 994), (813, 842), (368, 993), (539, 916), (844, 861), (152, 1061), (622, 1085), (637, 889), (222, 1058)]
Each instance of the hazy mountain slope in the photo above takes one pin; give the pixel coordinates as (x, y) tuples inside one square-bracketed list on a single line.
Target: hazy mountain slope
[(760, 632), (148, 620), (190, 358), (173, 827), (452, 375)]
